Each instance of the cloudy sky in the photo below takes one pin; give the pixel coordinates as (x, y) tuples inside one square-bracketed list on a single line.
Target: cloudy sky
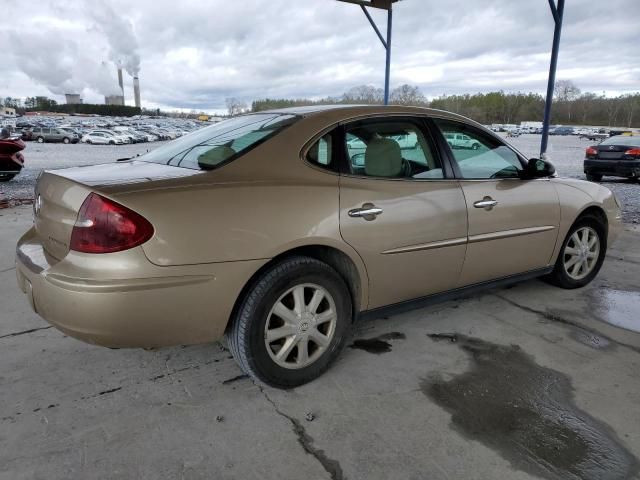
[(193, 54)]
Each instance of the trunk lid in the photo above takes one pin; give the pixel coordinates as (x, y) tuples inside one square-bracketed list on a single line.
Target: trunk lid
[(612, 152), (59, 195)]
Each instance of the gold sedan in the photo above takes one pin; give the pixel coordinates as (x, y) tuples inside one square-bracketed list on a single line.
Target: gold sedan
[(279, 229)]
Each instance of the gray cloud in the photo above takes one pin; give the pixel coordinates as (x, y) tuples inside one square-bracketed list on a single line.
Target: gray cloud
[(194, 54)]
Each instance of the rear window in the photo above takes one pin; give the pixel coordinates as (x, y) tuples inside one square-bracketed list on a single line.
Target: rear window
[(626, 140), (213, 146)]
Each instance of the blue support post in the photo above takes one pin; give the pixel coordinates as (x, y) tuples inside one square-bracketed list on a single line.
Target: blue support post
[(557, 13), (387, 46), (387, 72)]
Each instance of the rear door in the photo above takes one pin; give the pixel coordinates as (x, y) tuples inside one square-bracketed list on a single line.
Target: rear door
[(513, 223), (400, 209)]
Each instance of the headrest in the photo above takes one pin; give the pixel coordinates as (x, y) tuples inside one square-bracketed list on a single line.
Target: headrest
[(383, 158)]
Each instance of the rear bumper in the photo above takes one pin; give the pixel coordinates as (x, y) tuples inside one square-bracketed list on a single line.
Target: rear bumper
[(616, 168), (140, 305)]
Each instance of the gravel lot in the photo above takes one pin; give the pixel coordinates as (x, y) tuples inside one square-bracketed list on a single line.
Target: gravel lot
[(567, 153)]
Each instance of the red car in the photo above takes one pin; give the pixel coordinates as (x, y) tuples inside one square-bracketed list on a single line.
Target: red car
[(11, 160)]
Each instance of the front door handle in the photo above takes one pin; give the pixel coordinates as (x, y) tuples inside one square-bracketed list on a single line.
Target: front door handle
[(487, 203), (368, 211)]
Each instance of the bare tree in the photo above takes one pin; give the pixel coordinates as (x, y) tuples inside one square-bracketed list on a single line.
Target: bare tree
[(235, 106), (366, 94), (407, 95), (566, 91)]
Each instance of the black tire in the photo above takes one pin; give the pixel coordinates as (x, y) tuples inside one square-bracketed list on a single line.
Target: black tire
[(89, 142), (246, 332), (559, 276), (111, 142), (594, 177), (40, 139), (5, 177), (66, 141), (475, 146)]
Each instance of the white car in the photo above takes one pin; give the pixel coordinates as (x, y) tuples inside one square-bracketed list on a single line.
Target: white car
[(460, 140), (100, 138), (119, 137)]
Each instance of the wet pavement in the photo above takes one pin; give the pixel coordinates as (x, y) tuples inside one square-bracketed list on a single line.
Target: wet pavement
[(619, 308), (527, 413), (528, 382)]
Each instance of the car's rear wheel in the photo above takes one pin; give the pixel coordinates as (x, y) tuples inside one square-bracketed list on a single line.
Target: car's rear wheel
[(594, 177), (292, 323), (581, 255), (65, 140), (40, 140)]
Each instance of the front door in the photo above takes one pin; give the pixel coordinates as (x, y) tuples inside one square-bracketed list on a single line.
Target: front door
[(400, 211), (513, 223)]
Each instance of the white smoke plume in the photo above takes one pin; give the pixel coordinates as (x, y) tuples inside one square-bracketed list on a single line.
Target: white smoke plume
[(119, 33)]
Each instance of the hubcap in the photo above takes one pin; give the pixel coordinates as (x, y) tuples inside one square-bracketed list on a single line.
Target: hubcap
[(581, 253), (300, 326)]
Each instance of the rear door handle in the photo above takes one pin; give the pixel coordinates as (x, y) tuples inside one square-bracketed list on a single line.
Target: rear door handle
[(487, 203), (368, 211)]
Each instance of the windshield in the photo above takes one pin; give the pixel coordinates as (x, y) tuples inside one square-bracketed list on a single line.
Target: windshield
[(623, 140), (213, 146)]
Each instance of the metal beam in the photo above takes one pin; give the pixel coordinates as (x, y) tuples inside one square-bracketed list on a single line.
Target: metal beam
[(557, 11), (375, 27), (387, 70)]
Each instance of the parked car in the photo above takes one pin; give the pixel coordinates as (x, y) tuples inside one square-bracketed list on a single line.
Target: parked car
[(561, 131), (53, 134), (459, 140), (617, 156), (146, 253), (101, 138)]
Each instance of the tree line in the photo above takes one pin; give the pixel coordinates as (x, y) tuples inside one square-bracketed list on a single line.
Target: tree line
[(45, 104), (570, 107)]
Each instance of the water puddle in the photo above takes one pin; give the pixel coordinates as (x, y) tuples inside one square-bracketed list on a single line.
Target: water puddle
[(526, 413), (619, 308), (379, 344)]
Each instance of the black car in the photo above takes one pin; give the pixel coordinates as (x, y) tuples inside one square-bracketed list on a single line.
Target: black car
[(617, 156)]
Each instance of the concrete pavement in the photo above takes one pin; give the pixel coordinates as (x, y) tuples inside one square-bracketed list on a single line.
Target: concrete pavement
[(390, 408)]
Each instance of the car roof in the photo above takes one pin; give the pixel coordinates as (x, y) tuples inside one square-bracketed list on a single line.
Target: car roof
[(311, 110)]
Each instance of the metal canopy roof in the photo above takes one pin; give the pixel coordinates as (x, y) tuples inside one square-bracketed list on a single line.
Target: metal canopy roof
[(383, 4)]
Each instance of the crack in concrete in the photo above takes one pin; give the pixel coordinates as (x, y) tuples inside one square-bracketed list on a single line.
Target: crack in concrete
[(563, 321), (24, 332), (7, 269), (234, 379), (332, 467)]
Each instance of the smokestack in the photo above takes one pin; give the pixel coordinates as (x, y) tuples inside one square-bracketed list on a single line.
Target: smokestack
[(73, 98), (114, 100), (120, 82), (136, 90)]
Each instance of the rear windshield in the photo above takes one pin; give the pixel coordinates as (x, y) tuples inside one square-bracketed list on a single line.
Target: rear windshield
[(213, 146), (626, 140)]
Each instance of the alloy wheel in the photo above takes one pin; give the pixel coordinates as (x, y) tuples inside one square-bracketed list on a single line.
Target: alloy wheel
[(581, 253), (300, 326)]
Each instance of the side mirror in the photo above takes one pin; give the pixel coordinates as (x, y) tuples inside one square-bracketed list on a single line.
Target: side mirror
[(539, 168)]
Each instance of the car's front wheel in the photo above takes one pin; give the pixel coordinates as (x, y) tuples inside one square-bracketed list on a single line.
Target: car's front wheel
[(582, 253), (292, 323), (40, 139)]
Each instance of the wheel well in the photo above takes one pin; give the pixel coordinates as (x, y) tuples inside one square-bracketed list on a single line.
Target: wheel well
[(333, 257), (598, 213)]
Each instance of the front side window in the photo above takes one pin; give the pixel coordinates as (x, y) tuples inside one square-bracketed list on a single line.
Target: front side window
[(479, 155), (390, 149), (212, 146)]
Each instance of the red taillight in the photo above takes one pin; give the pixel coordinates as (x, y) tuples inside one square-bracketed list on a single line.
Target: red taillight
[(633, 152), (104, 226), (592, 152)]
